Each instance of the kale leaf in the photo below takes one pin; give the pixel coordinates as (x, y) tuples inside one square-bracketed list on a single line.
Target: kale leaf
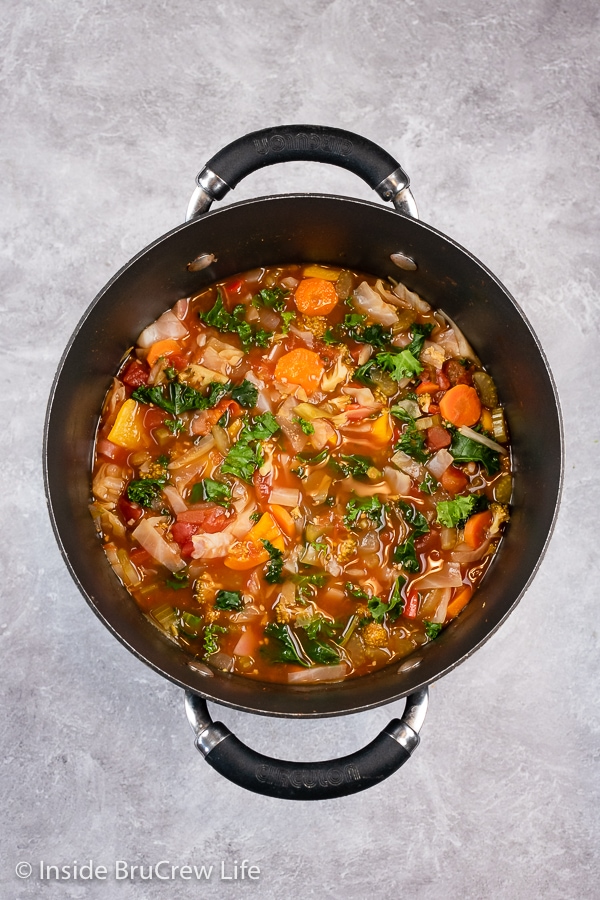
[(228, 600), (212, 491), (452, 512), (372, 507), (275, 564), (464, 449)]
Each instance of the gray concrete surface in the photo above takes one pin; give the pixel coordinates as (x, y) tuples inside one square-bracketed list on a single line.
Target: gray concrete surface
[(108, 110)]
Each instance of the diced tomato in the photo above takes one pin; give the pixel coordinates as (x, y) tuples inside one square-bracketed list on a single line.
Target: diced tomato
[(135, 374), (433, 409), (454, 480), (234, 286), (442, 380), (154, 417), (182, 531), (131, 511), (112, 451), (262, 485), (210, 520), (187, 549), (204, 421), (411, 607), (139, 556), (456, 373), (178, 361), (438, 437)]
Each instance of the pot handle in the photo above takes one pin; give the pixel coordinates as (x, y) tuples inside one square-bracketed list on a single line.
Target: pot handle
[(323, 780), (315, 143)]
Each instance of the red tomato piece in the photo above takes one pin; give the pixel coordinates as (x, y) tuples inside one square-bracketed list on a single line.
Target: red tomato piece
[(139, 556), (131, 511), (178, 361), (438, 437), (442, 380), (135, 374), (154, 417), (182, 531), (112, 451), (411, 607), (187, 549), (262, 485), (210, 520), (455, 373)]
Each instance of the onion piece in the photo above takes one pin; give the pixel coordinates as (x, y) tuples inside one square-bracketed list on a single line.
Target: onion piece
[(166, 326), (211, 546), (222, 439), (467, 555), (165, 553), (398, 481), (409, 465), (305, 336), (318, 674), (410, 298), (176, 501), (482, 439), (367, 490), (464, 346), (368, 301), (443, 574), (283, 496), (194, 453), (438, 464)]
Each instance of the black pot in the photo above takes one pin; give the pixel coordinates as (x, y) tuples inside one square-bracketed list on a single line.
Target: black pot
[(341, 232)]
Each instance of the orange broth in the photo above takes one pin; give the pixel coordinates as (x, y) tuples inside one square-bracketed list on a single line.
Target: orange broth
[(279, 491)]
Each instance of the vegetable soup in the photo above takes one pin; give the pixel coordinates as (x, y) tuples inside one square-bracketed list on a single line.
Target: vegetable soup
[(302, 473)]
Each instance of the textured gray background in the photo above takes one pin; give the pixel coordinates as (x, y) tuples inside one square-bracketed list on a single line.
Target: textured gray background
[(108, 111)]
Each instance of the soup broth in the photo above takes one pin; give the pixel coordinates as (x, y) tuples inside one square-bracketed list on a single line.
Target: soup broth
[(302, 473)]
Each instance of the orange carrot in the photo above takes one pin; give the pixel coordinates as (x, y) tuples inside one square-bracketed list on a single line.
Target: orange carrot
[(162, 348), (300, 366), (458, 603), (283, 519), (461, 405), (454, 480), (427, 387), (476, 529), (315, 297)]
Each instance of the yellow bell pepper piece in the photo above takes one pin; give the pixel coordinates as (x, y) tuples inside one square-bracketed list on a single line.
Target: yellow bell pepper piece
[(266, 529), (486, 420), (382, 429), (320, 272), (128, 430)]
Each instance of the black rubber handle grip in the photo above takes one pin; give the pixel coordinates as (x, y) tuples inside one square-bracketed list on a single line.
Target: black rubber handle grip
[(307, 781), (317, 143)]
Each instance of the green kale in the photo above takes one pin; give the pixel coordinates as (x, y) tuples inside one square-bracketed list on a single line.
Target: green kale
[(379, 609), (313, 460), (464, 449), (419, 335), (412, 442), (211, 643), (405, 554), (273, 298), (217, 316), (321, 653), (432, 629), (413, 517), (246, 394), (175, 426), (235, 323), (275, 564), (288, 647), (355, 591), (329, 337), (145, 490), (319, 626), (372, 507), (177, 581), (288, 318), (356, 465), (318, 579), (429, 484), (229, 600), (307, 427), (212, 491), (189, 624), (244, 459), (376, 335), (451, 513), (255, 517), (399, 365)]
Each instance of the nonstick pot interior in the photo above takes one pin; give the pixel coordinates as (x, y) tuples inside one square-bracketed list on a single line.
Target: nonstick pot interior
[(341, 232)]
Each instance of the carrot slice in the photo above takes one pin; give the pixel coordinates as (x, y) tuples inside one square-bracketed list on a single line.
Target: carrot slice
[(461, 405), (300, 366), (427, 387), (458, 603), (162, 348), (283, 519), (315, 297), (476, 529)]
